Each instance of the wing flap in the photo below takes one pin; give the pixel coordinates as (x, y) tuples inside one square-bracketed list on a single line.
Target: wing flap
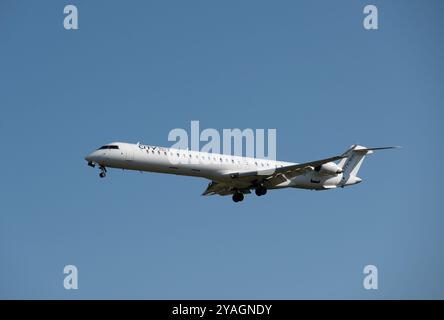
[(223, 189)]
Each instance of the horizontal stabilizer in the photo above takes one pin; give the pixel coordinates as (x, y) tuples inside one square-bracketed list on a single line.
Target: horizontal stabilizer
[(357, 149), (365, 150)]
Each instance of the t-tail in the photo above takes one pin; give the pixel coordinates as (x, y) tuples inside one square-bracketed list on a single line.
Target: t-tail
[(352, 161)]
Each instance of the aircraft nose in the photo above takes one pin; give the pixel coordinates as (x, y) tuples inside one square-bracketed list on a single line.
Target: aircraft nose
[(91, 157)]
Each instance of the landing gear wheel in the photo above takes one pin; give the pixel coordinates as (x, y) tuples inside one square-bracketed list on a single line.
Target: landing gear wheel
[(238, 196), (102, 173), (261, 191)]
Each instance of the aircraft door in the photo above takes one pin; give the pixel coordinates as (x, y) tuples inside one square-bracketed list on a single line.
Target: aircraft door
[(129, 153)]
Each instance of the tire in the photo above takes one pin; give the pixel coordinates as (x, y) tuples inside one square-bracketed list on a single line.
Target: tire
[(260, 191), (238, 197)]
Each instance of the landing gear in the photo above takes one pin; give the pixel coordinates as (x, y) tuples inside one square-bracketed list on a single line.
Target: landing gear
[(261, 191), (102, 173), (238, 196), (91, 164)]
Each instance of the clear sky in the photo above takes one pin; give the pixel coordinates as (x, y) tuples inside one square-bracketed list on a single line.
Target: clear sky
[(137, 69)]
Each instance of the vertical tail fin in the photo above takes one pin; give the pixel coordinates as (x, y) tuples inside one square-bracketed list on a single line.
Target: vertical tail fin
[(354, 158), (352, 162)]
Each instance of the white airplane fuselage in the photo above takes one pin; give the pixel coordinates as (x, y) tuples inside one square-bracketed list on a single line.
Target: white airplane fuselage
[(212, 166)]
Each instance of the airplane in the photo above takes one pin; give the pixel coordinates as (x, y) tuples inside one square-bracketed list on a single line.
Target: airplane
[(234, 175)]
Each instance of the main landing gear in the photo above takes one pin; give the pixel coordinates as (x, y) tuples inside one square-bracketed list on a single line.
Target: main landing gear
[(238, 196), (102, 173), (261, 191)]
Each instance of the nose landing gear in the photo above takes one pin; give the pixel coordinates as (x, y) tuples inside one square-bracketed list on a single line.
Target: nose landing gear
[(102, 173)]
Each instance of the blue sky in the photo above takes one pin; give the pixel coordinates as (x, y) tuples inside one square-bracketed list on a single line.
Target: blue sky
[(137, 69)]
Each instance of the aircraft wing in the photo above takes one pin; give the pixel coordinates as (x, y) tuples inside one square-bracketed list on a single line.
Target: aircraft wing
[(223, 188), (289, 171), (243, 181)]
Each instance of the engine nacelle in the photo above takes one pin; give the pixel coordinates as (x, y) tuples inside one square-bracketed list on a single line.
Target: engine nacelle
[(329, 168)]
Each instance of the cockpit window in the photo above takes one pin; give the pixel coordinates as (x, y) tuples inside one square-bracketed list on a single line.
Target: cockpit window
[(108, 147)]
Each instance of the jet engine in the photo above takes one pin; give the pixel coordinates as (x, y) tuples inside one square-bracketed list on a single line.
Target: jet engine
[(329, 168)]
